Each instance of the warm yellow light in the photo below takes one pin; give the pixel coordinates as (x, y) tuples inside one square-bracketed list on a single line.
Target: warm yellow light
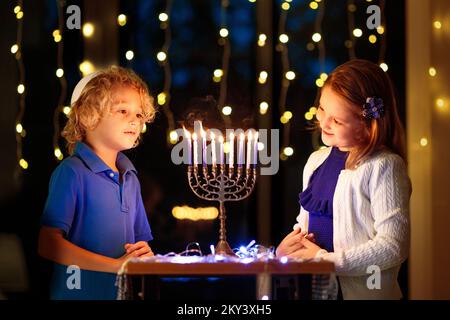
[(57, 36), (88, 29), (380, 29), (252, 1), (423, 142), (437, 24), (316, 37), (14, 48), (144, 128), (440, 103), (17, 9), (384, 66), (59, 72), (19, 15), (323, 76), (319, 83), (19, 128), (263, 77), (23, 163), (58, 154), (432, 71), (223, 32), (372, 38), (290, 75), (218, 73), (288, 115), (357, 32), (161, 56), (66, 110), (262, 39), (309, 115), (284, 120), (288, 151), (283, 38), (313, 5), (263, 107), (285, 6), (227, 110), (121, 20), (20, 88), (161, 98), (313, 110), (86, 67), (129, 55)]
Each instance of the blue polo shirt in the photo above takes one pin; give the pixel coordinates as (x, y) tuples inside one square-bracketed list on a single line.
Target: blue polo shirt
[(97, 212)]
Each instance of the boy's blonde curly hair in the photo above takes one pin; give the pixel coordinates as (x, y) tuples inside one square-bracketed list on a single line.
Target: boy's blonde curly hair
[(96, 99)]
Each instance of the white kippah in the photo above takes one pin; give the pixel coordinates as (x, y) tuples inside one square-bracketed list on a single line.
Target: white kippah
[(80, 86)]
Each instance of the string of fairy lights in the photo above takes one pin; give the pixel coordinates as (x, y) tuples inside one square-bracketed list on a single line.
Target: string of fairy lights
[(16, 50), (221, 75), (440, 102), (57, 35), (287, 76)]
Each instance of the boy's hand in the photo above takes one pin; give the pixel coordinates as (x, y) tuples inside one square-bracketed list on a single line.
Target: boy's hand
[(139, 249)]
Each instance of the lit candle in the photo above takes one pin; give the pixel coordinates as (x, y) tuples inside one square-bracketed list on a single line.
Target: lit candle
[(231, 153), (255, 149), (241, 150), (187, 136), (249, 149), (221, 149), (194, 138), (213, 149)]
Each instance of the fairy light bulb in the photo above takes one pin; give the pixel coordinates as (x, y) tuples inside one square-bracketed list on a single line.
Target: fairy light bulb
[(316, 37)]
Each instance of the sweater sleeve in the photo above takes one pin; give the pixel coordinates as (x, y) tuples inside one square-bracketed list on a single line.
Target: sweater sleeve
[(389, 190)]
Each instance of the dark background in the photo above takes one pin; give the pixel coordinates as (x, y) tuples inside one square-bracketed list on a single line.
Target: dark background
[(194, 54)]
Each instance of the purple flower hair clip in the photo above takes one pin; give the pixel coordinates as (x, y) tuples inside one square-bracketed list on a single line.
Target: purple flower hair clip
[(373, 108)]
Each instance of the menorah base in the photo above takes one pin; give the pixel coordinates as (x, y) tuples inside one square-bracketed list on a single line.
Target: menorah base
[(224, 248)]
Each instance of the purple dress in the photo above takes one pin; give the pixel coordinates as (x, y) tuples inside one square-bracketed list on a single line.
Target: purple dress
[(317, 198)]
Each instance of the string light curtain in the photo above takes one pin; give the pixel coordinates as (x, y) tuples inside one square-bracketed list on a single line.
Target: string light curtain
[(287, 76), (222, 74), (163, 58)]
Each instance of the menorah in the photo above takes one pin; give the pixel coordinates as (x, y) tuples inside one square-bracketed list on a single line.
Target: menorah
[(223, 182)]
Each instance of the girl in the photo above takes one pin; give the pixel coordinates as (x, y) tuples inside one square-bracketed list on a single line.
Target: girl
[(355, 201), (94, 218)]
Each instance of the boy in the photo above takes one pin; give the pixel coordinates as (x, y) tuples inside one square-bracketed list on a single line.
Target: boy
[(94, 217)]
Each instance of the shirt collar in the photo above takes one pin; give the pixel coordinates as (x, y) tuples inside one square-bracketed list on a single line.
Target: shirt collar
[(96, 164)]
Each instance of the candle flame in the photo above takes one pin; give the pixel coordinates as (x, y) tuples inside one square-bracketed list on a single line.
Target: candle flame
[(194, 136)]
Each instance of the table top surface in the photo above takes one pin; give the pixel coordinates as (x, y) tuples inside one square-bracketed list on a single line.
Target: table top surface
[(210, 265)]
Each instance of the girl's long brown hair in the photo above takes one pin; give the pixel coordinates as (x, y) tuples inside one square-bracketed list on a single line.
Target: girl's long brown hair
[(355, 81)]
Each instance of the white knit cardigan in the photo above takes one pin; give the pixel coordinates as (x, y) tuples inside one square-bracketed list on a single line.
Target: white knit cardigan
[(370, 223)]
